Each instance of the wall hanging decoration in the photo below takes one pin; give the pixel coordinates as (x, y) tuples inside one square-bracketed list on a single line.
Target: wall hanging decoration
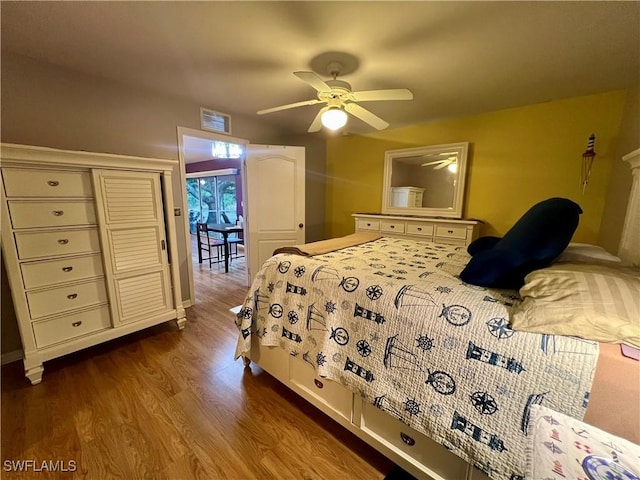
[(587, 162)]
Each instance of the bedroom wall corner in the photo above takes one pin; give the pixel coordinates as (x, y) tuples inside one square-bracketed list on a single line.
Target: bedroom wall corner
[(621, 179)]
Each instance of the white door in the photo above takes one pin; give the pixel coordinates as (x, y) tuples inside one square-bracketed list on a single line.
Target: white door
[(274, 200)]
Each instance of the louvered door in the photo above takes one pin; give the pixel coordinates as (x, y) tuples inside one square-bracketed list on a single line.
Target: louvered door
[(134, 243)]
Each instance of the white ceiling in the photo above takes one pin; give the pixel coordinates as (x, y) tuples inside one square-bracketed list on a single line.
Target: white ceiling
[(458, 58)]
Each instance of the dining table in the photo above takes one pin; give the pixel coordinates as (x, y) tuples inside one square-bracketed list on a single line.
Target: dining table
[(225, 229)]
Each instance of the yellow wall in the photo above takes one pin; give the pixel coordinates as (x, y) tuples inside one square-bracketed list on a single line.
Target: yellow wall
[(517, 157)]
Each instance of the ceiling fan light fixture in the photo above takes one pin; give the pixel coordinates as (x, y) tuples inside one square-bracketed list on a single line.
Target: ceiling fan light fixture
[(334, 118)]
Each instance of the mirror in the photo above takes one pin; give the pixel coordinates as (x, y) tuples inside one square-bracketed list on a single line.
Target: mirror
[(426, 181)]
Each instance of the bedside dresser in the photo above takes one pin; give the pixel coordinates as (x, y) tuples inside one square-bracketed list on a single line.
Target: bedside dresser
[(449, 231)]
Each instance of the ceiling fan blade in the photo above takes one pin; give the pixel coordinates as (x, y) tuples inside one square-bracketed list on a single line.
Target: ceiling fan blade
[(375, 95), (316, 125), (314, 80), (290, 105), (440, 154), (366, 116), (444, 162)]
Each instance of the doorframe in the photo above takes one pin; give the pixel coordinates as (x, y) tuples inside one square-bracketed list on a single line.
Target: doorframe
[(192, 132)]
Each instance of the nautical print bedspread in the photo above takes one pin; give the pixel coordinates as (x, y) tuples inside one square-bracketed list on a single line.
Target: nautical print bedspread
[(391, 320)]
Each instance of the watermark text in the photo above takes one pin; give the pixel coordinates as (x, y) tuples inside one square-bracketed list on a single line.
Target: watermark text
[(39, 465)]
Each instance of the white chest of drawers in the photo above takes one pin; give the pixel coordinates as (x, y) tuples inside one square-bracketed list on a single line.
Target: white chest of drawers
[(87, 240), (449, 231)]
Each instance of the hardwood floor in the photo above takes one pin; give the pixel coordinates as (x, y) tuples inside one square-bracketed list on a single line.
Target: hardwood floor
[(165, 404)]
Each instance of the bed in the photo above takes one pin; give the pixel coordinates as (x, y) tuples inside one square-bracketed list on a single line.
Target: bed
[(383, 336)]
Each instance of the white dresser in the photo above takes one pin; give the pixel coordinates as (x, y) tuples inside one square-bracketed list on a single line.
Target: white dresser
[(449, 231), (88, 245)]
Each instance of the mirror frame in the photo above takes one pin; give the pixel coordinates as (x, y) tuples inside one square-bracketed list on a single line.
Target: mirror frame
[(458, 196)]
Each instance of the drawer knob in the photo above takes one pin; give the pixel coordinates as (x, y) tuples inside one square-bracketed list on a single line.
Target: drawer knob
[(318, 383), (72, 296), (450, 231), (53, 183), (76, 324), (58, 213), (392, 226), (419, 229), (368, 224), (407, 439), (63, 241), (67, 269)]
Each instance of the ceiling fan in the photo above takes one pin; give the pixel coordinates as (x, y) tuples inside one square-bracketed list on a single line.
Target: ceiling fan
[(339, 98), (452, 159)]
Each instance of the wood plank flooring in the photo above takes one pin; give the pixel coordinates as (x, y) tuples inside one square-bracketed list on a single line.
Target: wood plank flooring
[(165, 404)]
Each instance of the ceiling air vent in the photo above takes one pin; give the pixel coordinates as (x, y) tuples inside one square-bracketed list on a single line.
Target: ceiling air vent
[(215, 121)]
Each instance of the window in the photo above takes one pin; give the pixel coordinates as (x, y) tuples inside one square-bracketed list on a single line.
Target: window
[(211, 198)]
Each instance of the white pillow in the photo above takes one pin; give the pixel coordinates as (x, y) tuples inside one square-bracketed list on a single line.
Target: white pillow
[(586, 252), (592, 301)]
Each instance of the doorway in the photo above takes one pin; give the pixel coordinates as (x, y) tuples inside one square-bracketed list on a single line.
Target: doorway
[(204, 155)]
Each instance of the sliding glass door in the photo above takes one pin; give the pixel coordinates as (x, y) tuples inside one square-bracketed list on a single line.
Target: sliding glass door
[(212, 199)]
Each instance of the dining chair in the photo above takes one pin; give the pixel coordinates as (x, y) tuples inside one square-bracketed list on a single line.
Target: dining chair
[(234, 240), (208, 244)]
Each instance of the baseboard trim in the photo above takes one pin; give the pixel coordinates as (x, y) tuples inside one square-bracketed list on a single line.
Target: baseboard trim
[(11, 357)]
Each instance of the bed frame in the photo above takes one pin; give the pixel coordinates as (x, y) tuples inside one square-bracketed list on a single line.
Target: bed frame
[(411, 450)]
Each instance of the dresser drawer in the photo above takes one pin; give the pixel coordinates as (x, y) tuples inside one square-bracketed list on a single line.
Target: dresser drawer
[(28, 214), (451, 231), (409, 442), (56, 330), (420, 229), (61, 242), (391, 227), (51, 272), (26, 182), (327, 392), (368, 224), (64, 299)]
